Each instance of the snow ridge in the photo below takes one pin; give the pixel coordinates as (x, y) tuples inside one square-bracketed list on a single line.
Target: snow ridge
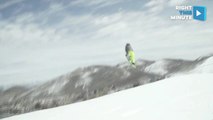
[(186, 97), (92, 82)]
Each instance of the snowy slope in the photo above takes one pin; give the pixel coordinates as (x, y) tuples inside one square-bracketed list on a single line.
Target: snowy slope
[(206, 67), (95, 81), (187, 97)]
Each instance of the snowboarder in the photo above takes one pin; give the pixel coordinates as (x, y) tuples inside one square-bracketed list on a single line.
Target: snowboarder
[(130, 55)]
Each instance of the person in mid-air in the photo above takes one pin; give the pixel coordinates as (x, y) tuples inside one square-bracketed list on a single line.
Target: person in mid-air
[(130, 54)]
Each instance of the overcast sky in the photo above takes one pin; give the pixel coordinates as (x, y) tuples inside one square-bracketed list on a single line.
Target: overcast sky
[(42, 39)]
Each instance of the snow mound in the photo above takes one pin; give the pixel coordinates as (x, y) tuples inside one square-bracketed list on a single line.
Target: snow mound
[(187, 97), (158, 67), (206, 67)]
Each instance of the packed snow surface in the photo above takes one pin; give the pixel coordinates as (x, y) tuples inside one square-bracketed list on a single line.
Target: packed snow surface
[(186, 97), (206, 67)]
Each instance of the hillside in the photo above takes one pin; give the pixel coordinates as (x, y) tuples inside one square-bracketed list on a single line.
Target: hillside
[(92, 82), (186, 97)]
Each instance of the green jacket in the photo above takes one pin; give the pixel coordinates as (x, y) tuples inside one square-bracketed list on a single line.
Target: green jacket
[(131, 57)]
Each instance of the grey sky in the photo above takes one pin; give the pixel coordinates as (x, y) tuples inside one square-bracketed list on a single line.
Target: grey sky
[(41, 39)]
